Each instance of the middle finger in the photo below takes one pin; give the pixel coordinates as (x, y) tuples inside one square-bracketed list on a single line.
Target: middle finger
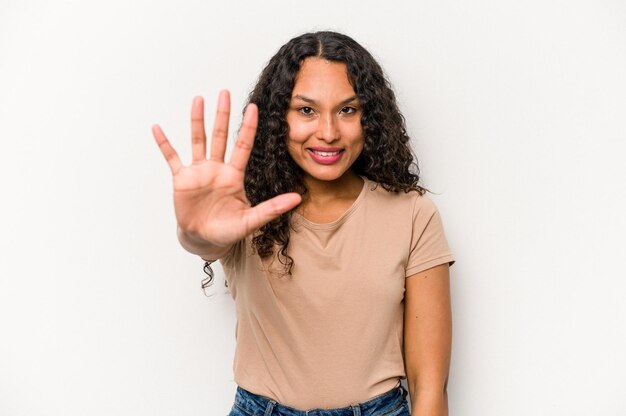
[(220, 129), (198, 136)]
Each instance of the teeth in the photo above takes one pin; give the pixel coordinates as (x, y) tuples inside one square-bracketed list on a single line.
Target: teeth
[(325, 153)]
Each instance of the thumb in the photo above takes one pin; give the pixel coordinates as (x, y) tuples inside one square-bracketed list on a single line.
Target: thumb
[(268, 210)]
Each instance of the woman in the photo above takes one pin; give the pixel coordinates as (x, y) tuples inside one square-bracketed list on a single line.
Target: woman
[(335, 257)]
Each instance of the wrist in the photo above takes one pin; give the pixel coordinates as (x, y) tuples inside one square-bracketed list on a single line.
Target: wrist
[(199, 246)]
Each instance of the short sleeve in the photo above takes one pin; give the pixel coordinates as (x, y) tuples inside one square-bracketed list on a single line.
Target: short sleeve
[(235, 255), (429, 246)]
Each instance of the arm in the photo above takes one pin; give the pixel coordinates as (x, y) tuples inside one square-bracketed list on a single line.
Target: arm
[(428, 340)]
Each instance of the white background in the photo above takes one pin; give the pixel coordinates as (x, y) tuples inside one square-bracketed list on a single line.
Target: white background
[(517, 111)]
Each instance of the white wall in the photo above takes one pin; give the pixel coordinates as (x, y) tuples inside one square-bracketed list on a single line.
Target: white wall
[(518, 114)]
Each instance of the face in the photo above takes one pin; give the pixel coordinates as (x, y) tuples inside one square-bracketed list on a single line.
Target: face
[(324, 116)]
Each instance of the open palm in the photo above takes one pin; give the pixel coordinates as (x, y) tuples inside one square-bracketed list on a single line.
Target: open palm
[(209, 196)]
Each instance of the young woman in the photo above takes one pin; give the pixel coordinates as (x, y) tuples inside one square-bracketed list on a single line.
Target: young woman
[(335, 257)]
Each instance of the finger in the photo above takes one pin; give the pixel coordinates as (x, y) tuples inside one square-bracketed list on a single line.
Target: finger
[(245, 140), (268, 210), (198, 136), (166, 148), (220, 128)]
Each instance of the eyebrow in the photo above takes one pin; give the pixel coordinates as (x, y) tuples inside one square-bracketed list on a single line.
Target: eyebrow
[(312, 101)]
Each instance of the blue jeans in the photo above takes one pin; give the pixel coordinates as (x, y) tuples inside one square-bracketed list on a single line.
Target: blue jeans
[(392, 403)]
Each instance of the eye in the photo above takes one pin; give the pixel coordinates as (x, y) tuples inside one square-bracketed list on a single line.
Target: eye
[(307, 111), (348, 110)]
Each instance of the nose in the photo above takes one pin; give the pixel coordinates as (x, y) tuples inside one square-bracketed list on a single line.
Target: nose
[(327, 128)]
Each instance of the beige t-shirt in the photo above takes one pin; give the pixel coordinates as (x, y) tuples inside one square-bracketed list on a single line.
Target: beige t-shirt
[(331, 334)]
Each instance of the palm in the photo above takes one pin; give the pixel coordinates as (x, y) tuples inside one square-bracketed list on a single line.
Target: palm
[(209, 197)]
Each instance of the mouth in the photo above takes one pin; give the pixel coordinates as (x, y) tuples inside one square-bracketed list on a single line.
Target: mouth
[(325, 156)]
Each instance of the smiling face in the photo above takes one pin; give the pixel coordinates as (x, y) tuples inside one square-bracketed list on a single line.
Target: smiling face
[(324, 117)]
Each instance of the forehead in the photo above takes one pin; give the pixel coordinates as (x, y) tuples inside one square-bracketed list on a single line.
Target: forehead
[(319, 76)]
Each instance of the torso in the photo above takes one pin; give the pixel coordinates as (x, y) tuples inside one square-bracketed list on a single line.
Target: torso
[(331, 333)]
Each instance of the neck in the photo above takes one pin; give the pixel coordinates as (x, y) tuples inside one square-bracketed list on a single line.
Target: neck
[(347, 186)]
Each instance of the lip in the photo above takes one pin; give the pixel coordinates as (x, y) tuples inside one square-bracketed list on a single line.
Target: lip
[(325, 160), (326, 149)]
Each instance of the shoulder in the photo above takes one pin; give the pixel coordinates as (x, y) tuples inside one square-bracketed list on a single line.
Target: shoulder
[(413, 200)]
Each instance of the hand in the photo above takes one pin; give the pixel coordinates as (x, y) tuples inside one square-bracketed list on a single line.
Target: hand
[(209, 196)]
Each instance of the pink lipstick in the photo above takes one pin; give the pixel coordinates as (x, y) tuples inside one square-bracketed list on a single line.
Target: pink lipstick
[(325, 155)]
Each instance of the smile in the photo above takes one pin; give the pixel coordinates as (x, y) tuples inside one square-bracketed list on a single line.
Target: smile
[(325, 157), (325, 154)]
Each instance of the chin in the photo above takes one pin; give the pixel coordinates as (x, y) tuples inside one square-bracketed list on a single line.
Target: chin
[(327, 176)]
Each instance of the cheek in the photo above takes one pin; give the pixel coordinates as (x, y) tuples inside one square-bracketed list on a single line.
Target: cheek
[(291, 148), (294, 148), (298, 133), (356, 136), (361, 145)]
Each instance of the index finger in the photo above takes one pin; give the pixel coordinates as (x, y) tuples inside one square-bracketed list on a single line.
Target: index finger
[(245, 139)]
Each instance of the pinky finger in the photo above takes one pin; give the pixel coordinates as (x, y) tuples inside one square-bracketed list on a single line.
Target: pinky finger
[(166, 148)]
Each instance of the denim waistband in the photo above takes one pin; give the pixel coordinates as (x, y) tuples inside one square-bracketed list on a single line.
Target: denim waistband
[(379, 405)]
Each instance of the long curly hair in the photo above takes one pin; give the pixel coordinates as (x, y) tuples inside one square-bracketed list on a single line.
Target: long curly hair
[(386, 157)]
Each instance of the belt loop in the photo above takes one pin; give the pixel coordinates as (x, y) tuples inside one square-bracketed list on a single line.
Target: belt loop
[(356, 409), (270, 408)]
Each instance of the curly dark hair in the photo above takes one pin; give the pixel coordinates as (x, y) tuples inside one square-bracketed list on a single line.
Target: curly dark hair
[(386, 157)]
